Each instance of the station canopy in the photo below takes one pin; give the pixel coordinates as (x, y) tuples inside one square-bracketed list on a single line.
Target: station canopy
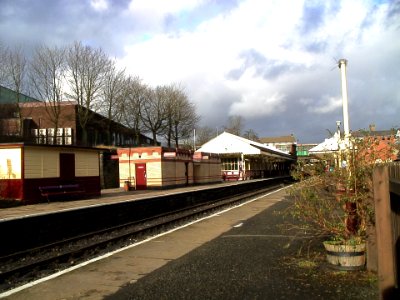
[(227, 144)]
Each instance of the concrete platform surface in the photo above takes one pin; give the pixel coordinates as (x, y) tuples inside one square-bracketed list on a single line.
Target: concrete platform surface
[(244, 253)]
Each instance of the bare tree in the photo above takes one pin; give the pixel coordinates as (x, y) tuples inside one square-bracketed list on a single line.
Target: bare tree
[(14, 68), (3, 54), (204, 134), (250, 134), (87, 68), (130, 107), (112, 94), (153, 111), (47, 76), (181, 115), (235, 125)]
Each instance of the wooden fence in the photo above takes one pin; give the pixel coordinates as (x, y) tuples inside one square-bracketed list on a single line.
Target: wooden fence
[(386, 181)]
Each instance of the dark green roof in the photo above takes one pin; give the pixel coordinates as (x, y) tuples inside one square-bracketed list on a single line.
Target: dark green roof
[(8, 96)]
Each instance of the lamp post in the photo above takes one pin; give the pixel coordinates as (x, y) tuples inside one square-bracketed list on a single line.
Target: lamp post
[(342, 66)]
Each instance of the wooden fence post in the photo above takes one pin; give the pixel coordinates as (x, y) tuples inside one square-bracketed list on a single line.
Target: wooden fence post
[(384, 235)]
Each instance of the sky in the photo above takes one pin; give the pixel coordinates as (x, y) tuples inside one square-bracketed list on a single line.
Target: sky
[(274, 63)]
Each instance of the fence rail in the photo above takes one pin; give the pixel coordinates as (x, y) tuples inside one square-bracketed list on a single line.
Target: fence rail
[(386, 181)]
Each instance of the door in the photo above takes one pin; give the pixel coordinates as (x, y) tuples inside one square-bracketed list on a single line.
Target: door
[(67, 167), (141, 176)]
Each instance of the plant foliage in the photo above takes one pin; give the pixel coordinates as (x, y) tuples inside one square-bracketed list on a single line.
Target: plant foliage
[(334, 195)]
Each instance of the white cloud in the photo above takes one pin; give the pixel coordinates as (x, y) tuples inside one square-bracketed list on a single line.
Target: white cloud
[(162, 7), (266, 60), (215, 45), (150, 15), (99, 5), (327, 105), (290, 65), (259, 104)]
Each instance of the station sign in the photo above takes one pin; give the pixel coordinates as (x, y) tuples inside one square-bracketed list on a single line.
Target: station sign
[(169, 154)]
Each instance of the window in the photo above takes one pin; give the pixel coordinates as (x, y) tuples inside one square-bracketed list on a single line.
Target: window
[(230, 164)]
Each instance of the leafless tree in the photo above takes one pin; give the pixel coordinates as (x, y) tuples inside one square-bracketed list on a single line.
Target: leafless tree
[(204, 134), (250, 134), (181, 115), (112, 92), (2, 64), (86, 72), (15, 69), (130, 107), (153, 111), (47, 76), (235, 125)]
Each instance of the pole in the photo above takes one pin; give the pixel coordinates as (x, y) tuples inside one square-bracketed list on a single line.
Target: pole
[(352, 220), (194, 139), (342, 67)]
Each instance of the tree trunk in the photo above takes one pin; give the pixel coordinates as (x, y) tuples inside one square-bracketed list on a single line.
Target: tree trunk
[(84, 137), (154, 138)]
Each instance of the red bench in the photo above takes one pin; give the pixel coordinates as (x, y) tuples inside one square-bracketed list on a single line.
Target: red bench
[(60, 190), (229, 176)]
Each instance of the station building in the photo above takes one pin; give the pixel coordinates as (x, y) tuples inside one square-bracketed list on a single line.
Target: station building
[(246, 159), (159, 167), (28, 120), (283, 143), (381, 144), (25, 168)]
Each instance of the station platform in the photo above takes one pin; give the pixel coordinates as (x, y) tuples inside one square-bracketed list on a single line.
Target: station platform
[(242, 253)]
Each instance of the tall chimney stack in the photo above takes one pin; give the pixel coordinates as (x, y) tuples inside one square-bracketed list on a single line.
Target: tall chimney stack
[(342, 67)]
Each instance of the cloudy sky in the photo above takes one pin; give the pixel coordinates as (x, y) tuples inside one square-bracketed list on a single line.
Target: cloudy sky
[(272, 62)]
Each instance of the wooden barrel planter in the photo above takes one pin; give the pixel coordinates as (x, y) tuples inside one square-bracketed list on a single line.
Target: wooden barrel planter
[(345, 257)]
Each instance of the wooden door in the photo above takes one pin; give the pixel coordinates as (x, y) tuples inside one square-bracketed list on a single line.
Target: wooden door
[(67, 166), (141, 176)]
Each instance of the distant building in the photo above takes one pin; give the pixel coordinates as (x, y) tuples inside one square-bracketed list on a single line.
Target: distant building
[(244, 159), (159, 167), (302, 150), (24, 119), (381, 139), (283, 143), (26, 168), (34, 122), (372, 132), (329, 145), (8, 96)]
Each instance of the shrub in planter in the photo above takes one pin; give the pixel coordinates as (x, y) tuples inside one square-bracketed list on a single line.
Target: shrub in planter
[(337, 201)]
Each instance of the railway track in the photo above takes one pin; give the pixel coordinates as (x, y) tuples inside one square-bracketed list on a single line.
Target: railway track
[(24, 266)]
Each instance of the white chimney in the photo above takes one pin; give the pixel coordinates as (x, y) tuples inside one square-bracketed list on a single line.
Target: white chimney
[(342, 67)]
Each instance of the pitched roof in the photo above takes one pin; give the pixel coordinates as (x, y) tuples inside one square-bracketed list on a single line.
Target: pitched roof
[(329, 145), (229, 143), (375, 133), (279, 139), (8, 96)]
